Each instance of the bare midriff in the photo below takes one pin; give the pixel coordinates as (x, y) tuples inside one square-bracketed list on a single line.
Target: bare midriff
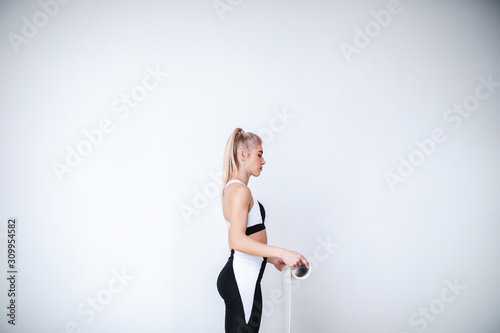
[(259, 236)]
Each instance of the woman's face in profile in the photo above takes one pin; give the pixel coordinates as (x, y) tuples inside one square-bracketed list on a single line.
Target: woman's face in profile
[(255, 160)]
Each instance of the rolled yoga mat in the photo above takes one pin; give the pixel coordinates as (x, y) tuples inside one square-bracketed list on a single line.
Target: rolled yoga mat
[(300, 273)]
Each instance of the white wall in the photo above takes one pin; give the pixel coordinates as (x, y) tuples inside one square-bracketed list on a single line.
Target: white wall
[(347, 119)]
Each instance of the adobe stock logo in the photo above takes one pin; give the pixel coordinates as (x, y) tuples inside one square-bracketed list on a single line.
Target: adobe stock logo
[(95, 136), (31, 28), (372, 29), (428, 314), (222, 7), (92, 305), (428, 146)]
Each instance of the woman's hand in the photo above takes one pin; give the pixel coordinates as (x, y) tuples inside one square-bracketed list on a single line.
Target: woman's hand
[(293, 259), (277, 262)]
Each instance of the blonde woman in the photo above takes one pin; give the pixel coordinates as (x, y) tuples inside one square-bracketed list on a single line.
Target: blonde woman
[(239, 281)]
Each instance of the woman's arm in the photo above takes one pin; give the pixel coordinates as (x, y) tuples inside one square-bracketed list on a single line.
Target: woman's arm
[(238, 240)]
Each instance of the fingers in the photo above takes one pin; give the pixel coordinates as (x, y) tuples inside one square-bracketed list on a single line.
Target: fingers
[(295, 260), (301, 261), (279, 265), (305, 262)]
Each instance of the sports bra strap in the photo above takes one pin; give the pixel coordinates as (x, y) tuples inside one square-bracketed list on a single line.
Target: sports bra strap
[(233, 181)]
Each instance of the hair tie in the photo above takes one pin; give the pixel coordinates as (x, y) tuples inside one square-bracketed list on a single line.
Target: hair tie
[(241, 131)]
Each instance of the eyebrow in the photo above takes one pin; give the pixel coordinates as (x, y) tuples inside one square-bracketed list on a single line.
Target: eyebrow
[(260, 151)]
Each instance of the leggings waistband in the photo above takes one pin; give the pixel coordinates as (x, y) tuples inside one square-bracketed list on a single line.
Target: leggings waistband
[(246, 257)]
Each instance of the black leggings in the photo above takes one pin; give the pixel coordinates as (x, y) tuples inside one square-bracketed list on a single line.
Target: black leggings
[(246, 272)]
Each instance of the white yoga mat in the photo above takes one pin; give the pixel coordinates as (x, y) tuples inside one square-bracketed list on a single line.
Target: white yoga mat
[(300, 273)]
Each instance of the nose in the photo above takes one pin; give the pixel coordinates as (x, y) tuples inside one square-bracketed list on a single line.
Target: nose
[(263, 161)]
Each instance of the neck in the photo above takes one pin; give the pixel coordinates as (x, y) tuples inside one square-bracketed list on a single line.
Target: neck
[(243, 177)]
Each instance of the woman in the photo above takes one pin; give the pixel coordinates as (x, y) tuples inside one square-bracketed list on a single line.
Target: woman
[(239, 281)]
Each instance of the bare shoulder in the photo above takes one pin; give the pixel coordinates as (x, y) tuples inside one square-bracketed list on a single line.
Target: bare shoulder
[(237, 197), (238, 193), (236, 203)]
